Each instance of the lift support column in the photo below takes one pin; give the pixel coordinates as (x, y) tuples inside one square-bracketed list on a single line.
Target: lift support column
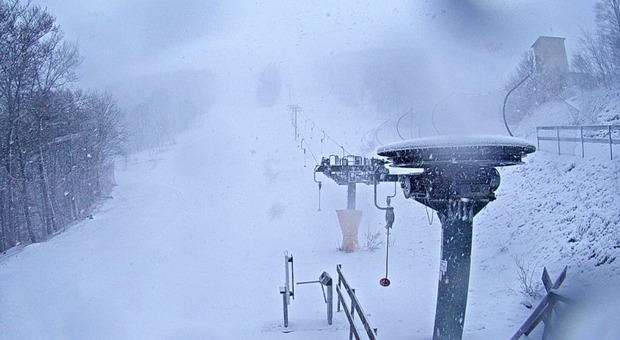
[(351, 196), (350, 171), (458, 180)]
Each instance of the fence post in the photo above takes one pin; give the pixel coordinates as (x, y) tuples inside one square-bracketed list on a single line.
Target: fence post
[(330, 302), (582, 148), (611, 149), (557, 131), (326, 281)]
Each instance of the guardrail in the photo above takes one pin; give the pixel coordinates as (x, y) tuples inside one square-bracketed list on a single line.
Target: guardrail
[(598, 134), (355, 306)]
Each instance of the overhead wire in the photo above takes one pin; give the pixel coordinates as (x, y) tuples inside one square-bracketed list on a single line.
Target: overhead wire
[(315, 125), (307, 119)]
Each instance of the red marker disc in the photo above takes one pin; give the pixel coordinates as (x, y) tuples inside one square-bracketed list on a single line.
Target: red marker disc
[(384, 282)]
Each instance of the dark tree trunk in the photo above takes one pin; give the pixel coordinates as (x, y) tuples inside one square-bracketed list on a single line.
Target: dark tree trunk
[(26, 211), (48, 208)]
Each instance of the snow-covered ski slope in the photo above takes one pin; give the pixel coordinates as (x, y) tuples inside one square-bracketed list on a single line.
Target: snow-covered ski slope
[(191, 246)]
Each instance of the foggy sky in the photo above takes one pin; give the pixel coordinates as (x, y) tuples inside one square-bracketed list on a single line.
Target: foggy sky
[(464, 45)]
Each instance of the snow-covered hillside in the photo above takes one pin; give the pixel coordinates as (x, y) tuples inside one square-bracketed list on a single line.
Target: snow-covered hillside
[(191, 245)]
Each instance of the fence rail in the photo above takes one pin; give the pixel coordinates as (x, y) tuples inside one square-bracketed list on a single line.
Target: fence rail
[(355, 306), (597, 134)]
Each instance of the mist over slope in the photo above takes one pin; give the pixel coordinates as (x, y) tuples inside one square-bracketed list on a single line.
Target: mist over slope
[(192, 243)]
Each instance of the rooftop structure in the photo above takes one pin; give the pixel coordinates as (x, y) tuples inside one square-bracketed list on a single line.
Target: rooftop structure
[(550, 54)]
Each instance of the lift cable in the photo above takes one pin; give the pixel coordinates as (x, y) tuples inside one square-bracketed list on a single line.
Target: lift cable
[(480, 94), (325, 133)]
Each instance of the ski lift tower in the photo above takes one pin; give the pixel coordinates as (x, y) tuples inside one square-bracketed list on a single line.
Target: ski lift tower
[(458, 180), (350, 171)]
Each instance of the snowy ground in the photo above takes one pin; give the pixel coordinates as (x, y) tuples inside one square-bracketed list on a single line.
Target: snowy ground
[(191, 247)]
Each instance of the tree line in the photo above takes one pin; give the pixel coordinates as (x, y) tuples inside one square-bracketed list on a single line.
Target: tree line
[(57, 142)]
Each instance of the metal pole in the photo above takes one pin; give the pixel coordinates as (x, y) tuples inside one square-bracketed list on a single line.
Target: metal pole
[(290, 259), (538, 138), (557, 132), (611, 149), (286, 279), (351, 196), (582, 148), (295, 113), (285, 307), (330, 302), (456, 233), (320, 185)]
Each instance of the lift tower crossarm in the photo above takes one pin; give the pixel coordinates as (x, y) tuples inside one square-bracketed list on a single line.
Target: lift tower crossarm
[(354, 170)]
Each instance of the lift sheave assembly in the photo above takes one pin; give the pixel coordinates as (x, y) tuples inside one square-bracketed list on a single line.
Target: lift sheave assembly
[(458, 179)]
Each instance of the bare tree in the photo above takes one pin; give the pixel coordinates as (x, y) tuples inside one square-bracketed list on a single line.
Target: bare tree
[(598, 56), (55, 141), (29, 33)]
